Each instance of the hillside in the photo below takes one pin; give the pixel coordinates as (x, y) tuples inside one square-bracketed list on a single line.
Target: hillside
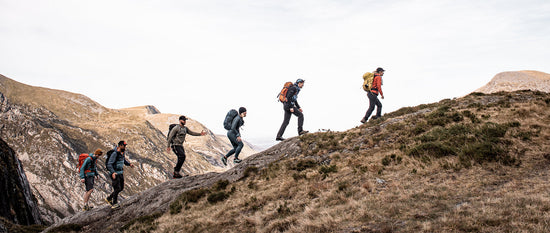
[(16, 199), (49, 128), (478, 163), (517, 80)]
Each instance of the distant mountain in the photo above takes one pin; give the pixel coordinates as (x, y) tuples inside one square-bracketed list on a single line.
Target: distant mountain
[(518, 80), (49, 128)]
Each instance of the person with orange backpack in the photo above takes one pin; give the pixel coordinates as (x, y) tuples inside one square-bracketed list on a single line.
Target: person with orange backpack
[(88, 172), (289, 98), (372, 92)]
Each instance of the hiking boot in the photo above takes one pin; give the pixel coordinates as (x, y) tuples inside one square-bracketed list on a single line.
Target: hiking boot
[(363, 120), (237, 160), (303, 132), (279, 139), (224, 160), (115, 206), (177, 175), (110, 202), (375, 117), (87, 207)]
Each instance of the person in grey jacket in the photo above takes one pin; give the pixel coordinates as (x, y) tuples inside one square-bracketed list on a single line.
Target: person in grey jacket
[(115, 165), (176, 138), (234, 135)]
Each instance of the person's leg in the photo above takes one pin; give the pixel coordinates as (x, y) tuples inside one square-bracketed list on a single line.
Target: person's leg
[(89, 181), (372, 101), (238, 149), (300, 116), (285, 124), (180, 153), (118, 185), (378, 108), (233, 140)]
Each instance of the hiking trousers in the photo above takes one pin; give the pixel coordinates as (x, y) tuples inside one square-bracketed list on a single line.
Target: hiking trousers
[(180, 152), (237, 146), (286, 120), (374, 101), (118, 186)]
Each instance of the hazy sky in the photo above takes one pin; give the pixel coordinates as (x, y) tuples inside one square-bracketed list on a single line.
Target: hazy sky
[(202, 58)]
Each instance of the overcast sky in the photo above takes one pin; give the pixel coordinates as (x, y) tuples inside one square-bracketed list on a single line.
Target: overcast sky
[(202, 58)]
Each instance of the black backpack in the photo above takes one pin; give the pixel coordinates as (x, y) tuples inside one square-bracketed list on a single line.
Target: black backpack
[(107, 156), (229, 118)]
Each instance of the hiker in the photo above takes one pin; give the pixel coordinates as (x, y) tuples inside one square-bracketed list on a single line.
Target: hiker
[(375, 89), (290, 107), (88, 172), (115, 165), (234, 136), (176, 138)]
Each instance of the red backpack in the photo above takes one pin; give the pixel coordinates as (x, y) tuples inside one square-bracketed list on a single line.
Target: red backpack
[(282, 95), (81, 160)]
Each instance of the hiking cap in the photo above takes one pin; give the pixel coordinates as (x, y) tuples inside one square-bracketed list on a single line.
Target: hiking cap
[(98, 152), (183, 118), (300, 80), (122, 143), (242, 109), (379, 69)]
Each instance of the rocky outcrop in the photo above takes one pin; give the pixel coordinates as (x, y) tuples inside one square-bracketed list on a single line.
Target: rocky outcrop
[(158, 199), (48, 129), (18, 203), (517, 80)]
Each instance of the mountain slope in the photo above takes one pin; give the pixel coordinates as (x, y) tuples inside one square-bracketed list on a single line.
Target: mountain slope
[(518, 80), (478, 163), (49, 129), (18, 205)]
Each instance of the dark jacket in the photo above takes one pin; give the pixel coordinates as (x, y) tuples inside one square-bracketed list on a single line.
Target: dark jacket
[(116, 163), (292, 97), (236, 125)]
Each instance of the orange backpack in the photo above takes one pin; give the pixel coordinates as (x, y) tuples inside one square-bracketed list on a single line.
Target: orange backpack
[(81, 160), (282, 94)]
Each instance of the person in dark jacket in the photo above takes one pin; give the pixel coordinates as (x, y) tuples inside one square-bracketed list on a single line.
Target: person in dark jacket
[(88, 172), (373, 96), (290, 107), (234, 135), (176, 138), (115, 165)]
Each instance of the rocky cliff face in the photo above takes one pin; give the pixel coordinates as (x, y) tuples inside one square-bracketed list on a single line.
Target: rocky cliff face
[(517, 80), (18, 203), (48, 129)]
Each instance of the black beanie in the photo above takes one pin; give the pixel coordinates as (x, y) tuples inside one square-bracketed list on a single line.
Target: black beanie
[(242, 109)]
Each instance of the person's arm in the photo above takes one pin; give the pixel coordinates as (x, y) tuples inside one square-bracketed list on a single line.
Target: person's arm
[(290, 96), (235, 126), (189, 131), (171, 135)]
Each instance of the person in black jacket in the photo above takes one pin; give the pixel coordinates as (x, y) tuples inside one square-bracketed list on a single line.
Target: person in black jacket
[(234, 136), (290, 107)]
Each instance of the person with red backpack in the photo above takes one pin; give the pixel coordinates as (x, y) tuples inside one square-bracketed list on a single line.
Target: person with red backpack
[(88, 172), (291, 106), (376, 88)]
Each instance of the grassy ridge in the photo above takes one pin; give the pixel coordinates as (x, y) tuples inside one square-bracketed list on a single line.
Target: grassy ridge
[(479, 163)]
